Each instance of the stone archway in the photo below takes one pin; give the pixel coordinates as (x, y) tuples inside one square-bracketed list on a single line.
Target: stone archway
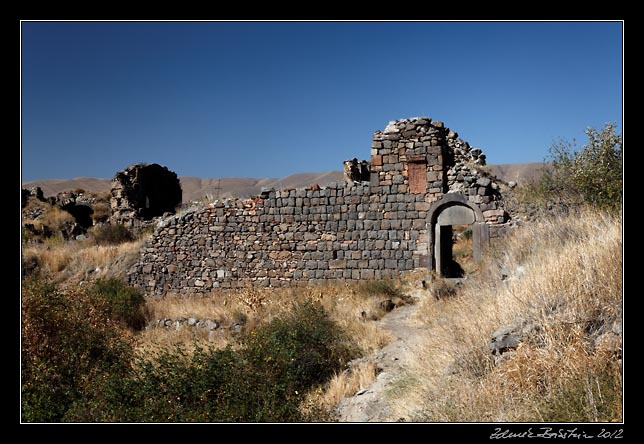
[(453, 209)]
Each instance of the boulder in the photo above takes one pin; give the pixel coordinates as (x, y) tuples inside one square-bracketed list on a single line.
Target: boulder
[(504, 339)]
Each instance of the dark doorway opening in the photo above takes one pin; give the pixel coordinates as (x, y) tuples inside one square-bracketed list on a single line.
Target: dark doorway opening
[(457, 235), (454, 240)]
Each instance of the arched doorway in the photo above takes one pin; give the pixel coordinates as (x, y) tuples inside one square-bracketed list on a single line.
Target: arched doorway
[(453, 209)]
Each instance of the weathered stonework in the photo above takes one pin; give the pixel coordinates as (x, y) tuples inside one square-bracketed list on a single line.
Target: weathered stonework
[(141, 192), (351, 231)]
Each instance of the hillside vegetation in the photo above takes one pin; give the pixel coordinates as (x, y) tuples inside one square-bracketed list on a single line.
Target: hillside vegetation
[(279, 356)]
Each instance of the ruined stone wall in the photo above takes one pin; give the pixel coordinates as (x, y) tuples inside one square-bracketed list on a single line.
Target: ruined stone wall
[(307, 234), (364, 230)]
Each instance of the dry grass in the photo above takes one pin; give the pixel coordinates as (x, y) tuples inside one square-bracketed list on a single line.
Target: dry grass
[(564, 276), (71, 261), (462, 251), (342, 385), (254, 306), (53, 216), (102, 211)]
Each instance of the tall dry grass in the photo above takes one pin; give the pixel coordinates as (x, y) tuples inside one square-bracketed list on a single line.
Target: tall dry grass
[(70, 262), (342, 385), (562, 281)]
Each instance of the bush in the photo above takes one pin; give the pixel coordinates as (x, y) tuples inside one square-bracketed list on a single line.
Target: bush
[(67, 346), (124, 303), (592, 175), (263, 380), (78, 366), (288, 357), (112, 234), (209, 386)]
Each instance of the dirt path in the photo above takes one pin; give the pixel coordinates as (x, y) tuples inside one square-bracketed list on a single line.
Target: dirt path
[(371, 404)]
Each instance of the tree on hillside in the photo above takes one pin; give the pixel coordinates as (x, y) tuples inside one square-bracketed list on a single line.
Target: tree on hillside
[(591, 175)]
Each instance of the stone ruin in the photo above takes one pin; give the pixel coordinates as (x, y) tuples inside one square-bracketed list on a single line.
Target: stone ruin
[(77, 203), (142, 192), (422, 180), (139, 194), (33, 192)]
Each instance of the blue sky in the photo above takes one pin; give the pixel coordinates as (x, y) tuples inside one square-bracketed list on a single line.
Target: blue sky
[(268, 99)]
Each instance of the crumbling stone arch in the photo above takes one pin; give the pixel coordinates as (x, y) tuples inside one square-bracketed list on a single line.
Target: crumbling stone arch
[(453, 209)]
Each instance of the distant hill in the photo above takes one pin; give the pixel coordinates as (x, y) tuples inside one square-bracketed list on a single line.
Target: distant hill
[(51, 187), (517, 172), (196, 188)]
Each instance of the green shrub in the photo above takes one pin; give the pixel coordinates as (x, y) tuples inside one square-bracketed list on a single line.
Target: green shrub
[(77, 365), (171, 387), (208, 387), (264, 380), (592, 175), (112, 234), (123, 302), (288, 357)]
